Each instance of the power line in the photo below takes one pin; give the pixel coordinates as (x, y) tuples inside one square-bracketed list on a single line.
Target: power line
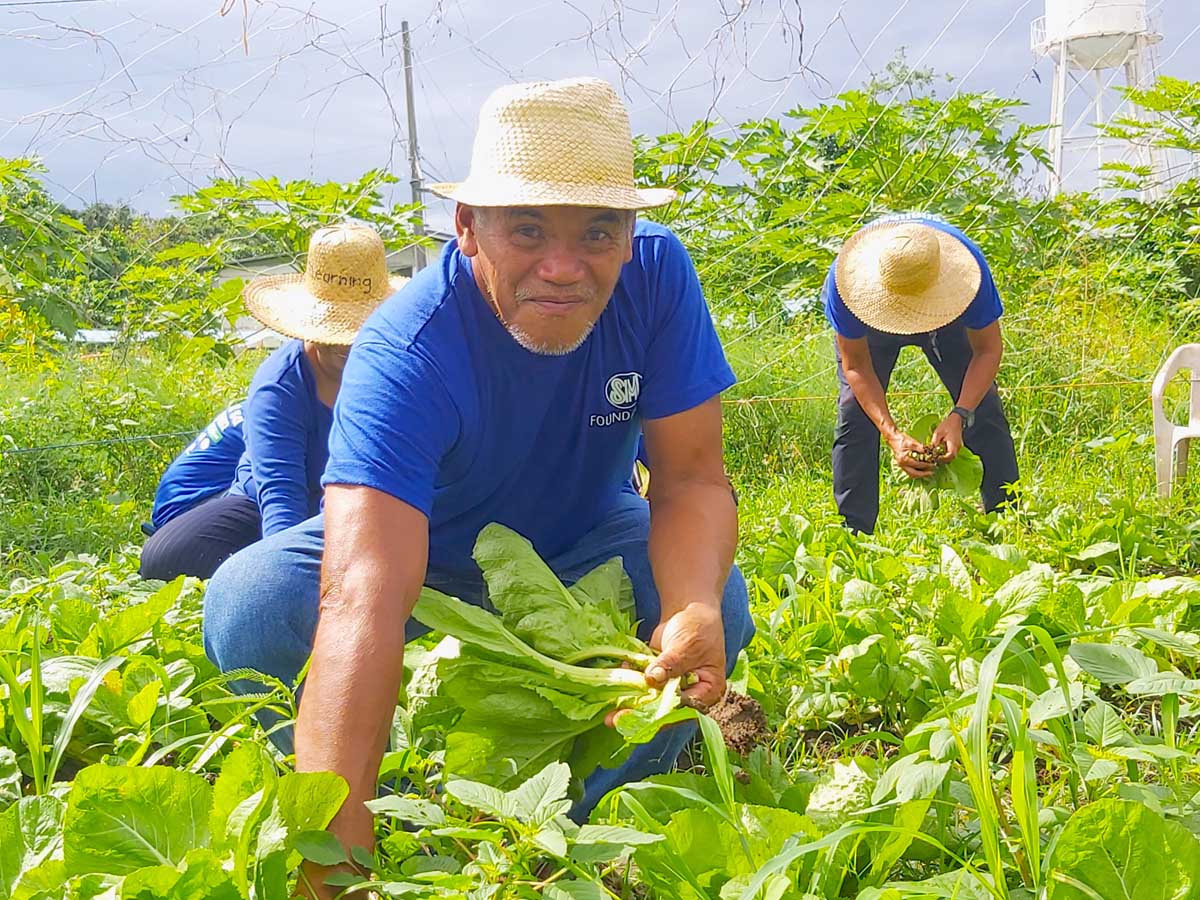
[(33, 3), (101, 442)]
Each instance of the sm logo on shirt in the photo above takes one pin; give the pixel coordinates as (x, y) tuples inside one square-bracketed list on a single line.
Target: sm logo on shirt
[(622, 393), (622, 390)]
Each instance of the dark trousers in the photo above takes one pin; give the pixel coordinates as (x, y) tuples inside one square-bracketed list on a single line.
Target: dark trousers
[(199, 540), (856, 439)]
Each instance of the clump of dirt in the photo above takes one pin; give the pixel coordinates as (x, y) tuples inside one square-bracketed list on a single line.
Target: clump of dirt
[(743, 722)]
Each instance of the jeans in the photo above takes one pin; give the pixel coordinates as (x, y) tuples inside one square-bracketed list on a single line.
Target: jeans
[(260, 612), (195, 542), (856, 439)]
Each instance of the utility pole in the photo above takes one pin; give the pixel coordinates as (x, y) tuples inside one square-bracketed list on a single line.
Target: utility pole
[(413, 156)]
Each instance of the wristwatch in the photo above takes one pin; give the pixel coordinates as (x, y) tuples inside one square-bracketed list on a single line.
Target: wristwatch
[(967, 415)]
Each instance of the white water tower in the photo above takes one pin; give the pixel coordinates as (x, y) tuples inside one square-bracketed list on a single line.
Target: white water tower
[(1090, 41)]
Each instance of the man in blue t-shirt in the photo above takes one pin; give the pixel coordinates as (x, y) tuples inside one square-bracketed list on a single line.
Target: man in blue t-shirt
[(509, 382), (914, 281)]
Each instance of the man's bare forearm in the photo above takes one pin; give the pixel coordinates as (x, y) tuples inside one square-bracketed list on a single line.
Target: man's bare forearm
[(351, 693), (869, 393), (693, 537), (376, 549), (979, 378)]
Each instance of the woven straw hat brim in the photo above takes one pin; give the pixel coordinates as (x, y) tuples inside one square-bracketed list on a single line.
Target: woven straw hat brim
[(864, 293), (283, 303), (495, 191)]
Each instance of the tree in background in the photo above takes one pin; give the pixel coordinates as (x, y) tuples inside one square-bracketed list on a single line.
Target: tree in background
[(801, 184), (39, 247)]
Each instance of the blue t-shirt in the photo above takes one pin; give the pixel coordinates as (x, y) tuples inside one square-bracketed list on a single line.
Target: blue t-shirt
[(204, 468), (443, 409), (287, 440), (983, 310)]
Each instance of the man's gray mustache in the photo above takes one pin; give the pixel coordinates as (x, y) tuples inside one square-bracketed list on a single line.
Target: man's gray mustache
[(526, 294)]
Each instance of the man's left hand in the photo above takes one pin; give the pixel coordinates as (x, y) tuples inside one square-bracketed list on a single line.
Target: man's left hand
[(692, 640), (949, 432)]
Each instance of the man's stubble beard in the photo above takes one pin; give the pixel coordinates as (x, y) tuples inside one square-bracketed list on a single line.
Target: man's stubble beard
[(533, 345), (541, 348)]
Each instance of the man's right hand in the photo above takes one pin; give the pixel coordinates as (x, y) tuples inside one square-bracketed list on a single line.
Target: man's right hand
[(903, 447)]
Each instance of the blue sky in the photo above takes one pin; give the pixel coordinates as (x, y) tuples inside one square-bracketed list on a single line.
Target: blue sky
[(138, 100)]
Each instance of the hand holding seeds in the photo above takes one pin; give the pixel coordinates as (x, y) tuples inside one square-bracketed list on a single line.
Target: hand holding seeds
[(948, 435), (911, 455)]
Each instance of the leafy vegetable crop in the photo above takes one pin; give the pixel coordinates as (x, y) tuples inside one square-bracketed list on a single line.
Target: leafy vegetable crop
[(532, 685)]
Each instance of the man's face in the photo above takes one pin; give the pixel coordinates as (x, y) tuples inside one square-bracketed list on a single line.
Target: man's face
[(547, 271)]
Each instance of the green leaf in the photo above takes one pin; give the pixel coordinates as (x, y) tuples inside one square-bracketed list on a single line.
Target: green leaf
[(1185, 644), (30, 833), (483, 797), (1051, 704), (10, 776), (1097, 551), (199, 878), (541, 611), (997, 563), (551, 839), (614, 834), (962, 475), (424, 813), (955, 571), (130, 624), (83, 697), (539, 708), (543, 796), (1112, 663), (911, 778), (1104, 727), (244, 772), (320, 847), (1122, 850), (475, 626), (142, 705), (308, 801), (1162, 683), (120, 819), (608, 587), (574, 890)]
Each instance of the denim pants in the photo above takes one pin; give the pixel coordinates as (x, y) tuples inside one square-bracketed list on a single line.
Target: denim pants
[(260, 612), (856, 439)]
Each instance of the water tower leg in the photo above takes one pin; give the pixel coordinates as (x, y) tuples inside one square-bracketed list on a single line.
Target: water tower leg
[(1054, 144), (1099, 127)]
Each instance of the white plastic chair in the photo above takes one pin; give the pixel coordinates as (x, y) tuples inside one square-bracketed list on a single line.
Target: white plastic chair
[(1171, 441)]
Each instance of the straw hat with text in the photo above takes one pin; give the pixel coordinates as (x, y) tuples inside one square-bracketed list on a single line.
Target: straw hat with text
[(906, 277), (554, 143), (344, 280)]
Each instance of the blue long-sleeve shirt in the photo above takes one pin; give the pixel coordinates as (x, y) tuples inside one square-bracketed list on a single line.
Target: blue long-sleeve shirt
[(287, 440), (203, 469)]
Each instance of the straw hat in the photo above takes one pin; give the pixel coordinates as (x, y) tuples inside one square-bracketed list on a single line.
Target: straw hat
[(345, 278), (554, 143), (906, 277)]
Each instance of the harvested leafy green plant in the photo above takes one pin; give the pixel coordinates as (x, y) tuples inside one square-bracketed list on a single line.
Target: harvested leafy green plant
[(519, 690), (961, 476)]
